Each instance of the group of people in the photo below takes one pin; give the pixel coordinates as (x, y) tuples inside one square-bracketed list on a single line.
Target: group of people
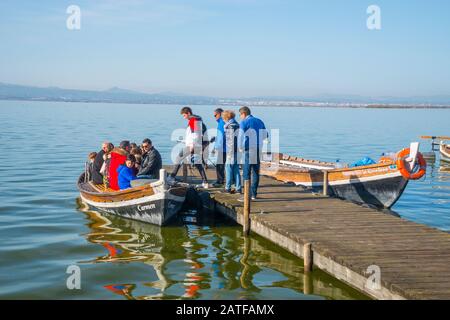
[(235, 144), (116, 167)]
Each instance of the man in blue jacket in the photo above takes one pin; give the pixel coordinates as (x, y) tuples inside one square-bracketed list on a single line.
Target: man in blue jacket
[(251, 138), (219, 148)]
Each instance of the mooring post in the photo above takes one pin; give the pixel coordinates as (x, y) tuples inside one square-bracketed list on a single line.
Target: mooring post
[(307, 257), (307, 283), (247, 200), (325, 182), (185, 173)]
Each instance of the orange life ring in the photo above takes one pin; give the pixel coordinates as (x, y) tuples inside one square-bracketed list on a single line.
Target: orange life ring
[(402, 167)]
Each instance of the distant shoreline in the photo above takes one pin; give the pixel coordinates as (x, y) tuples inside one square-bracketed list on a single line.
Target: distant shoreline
[(250, 104), (118, 95)]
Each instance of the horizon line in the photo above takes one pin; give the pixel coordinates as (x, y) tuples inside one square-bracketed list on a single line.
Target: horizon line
[(295, 97)]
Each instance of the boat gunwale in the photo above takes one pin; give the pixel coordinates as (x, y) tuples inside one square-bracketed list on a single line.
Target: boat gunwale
[(445, 149), (116, 193), (336, 170), (286, 157), (370, 166)]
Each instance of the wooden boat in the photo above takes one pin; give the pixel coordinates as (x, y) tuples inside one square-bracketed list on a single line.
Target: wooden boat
[(154, 202), (379, 185), (444, 149)]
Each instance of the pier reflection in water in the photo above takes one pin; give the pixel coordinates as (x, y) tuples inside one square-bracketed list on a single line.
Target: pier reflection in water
[(206, 259)]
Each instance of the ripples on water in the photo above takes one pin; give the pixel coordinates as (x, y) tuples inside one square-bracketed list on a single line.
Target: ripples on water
[(209, 260), (42, 232)]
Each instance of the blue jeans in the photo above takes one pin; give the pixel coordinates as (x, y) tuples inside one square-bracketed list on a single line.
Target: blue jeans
[(232, 174), (252, 167)]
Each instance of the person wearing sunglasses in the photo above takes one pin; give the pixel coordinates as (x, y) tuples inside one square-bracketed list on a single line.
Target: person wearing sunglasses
[(151, 161)]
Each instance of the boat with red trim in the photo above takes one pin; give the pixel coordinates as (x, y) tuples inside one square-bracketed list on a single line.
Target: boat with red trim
[(152, 201), (379, 185)]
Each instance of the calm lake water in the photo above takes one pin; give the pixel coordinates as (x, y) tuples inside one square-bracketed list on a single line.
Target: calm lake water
[(43, 231)]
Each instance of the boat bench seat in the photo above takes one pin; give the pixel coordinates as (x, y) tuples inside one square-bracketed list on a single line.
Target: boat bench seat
[(101, 187)]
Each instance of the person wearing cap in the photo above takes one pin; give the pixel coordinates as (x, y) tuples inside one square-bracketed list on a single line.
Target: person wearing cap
[(118, 157), (219, 148), (126, 173)]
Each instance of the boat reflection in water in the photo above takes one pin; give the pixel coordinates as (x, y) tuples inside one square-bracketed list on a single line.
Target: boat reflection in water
[(204, 260), (445, 167)]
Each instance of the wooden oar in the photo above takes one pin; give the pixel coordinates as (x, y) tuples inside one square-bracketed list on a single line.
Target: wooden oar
[(435, 137)]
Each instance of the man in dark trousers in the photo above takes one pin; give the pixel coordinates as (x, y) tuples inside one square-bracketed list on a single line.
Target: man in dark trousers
[(219, 148), (252, 134), (195, 140), (97, 177), (151, 161)]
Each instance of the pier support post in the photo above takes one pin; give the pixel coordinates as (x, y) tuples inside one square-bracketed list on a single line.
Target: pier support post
[(247, 200), (307, 257), (325, 182), (185, 172), (308, 283)]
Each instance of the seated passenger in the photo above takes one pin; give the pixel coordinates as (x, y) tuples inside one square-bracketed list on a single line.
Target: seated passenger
[(89, 170), (118, 157), (126, 173), (97, 176), (151, 161), (104, 171), (137, 153)]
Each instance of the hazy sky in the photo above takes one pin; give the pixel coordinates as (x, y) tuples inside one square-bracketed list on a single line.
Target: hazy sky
[(230, 47)]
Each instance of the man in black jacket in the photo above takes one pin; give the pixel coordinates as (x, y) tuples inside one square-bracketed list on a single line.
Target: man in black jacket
[(151, 161), (97, 177)]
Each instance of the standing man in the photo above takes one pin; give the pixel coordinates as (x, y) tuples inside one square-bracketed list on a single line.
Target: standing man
[(97, 177), (252, 134), (194, 141), (219, 148), (151, 161)]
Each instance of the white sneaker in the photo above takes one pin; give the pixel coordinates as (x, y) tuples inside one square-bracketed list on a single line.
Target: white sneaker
[(243, 199), (204, 185)]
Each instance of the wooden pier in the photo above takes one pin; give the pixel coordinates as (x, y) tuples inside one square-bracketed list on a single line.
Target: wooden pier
[(383, 256)]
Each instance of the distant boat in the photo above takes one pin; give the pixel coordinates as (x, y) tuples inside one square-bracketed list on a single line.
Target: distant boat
[(379, 185), (154, 202), (445, 152)]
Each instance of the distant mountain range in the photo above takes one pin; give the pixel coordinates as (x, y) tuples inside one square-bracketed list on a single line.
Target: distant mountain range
[(119, 95), (113, 95)]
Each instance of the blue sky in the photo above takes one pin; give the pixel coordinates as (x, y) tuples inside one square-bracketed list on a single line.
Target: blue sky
[(230, 48)]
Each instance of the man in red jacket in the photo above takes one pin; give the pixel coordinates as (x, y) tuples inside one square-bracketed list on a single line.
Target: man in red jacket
[(195, 140), (118, 157)]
